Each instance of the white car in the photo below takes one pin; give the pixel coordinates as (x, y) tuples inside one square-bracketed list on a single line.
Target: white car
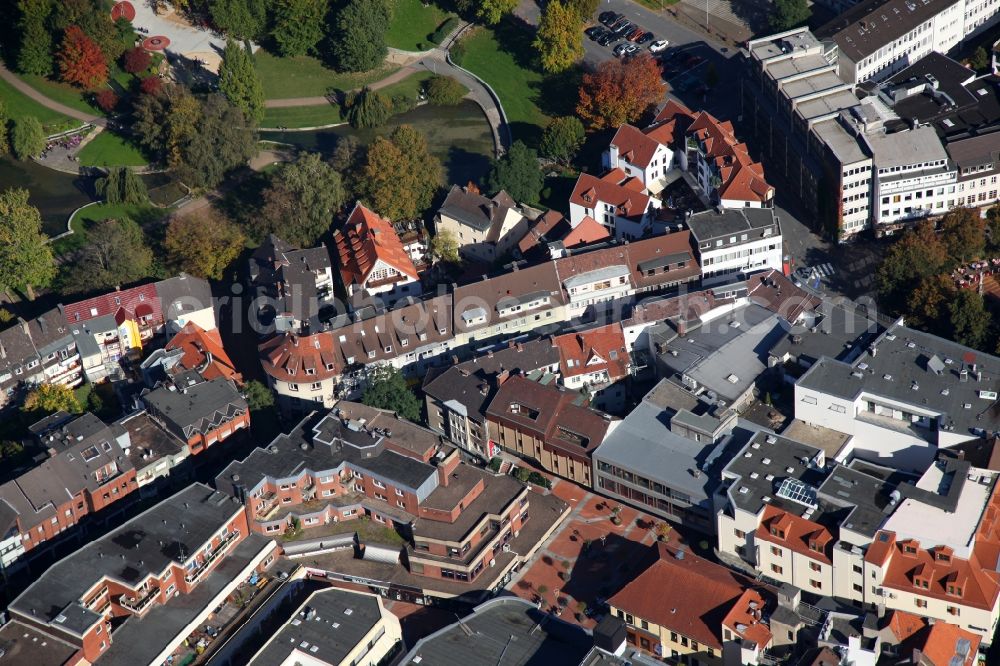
[(658, 45)]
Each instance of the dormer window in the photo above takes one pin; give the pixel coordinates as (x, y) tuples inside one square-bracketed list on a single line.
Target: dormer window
[(778, 533), (909, 549), (310, 371), (955, 590), (814, 546)]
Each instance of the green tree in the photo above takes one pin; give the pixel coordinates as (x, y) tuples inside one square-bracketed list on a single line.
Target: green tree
[(927, 305), (298, 25), (980, 59), (11, 450), (239, 82), (48, 399), (559, 41), (585, 9), (368, 108), (258, 396), (4, 129), (359, 42), (562, 138), (34, 54), (223, 140), (203, 243), (25, 256), (122, 185), (487, 11), (387, 389), (969, 318), (348, 159), (166, 122), (400, 175), (300, 201), (445, 91), (444, 247), (919, 253), (993, 229), (789, 13), (964, 234), (518, 174), (240, 19), (116, 253), (27, 137)]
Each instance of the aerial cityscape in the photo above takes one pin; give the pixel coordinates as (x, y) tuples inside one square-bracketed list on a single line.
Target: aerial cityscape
[(499, 332)]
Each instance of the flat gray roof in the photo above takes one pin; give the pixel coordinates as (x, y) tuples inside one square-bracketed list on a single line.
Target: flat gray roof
[(906, 148), (327, 627), (507, 631)]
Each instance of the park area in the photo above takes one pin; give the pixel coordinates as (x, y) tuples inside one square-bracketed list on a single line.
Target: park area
[(416, 26)]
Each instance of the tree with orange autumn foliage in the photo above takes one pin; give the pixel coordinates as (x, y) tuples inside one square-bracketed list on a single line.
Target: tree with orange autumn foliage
[(81, 61), (620, 91)]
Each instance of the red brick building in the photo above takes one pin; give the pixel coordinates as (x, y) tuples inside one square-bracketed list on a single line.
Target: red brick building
[(195, 545)]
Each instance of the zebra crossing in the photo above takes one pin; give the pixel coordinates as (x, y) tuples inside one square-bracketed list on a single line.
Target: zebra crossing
[(822, 271)]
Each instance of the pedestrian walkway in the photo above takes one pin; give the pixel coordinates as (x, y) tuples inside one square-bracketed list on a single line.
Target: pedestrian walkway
[(37, 96), (291, 102)]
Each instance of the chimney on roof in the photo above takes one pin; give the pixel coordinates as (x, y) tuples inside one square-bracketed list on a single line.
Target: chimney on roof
[(24, 325), (520, 346), (489, 354), (502, 376)]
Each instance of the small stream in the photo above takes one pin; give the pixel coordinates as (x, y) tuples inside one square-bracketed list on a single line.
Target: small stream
[(54, 193)]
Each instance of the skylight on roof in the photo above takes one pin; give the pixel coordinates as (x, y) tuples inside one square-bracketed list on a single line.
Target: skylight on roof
[(798, 492)]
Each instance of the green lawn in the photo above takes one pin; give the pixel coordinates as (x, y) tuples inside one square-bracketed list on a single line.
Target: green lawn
[(518, 87), (20, 105), (412, 24), (408, 87), (109, 149), (88, 216), (302, 116), (305, 76), (62, 93)]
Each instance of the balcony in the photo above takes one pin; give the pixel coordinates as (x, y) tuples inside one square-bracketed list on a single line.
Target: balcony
[(270, 503), (138, 605), (195, 575)]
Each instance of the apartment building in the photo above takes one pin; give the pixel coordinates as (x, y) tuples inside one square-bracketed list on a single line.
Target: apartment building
[(365, 635), (646, 154), (904, 397), (86, 469), (543, 423), (40, 351), (302, 370), (617, 201), (689, 610), (595, 358), (134, 595), (457, 396), (194, 348), (359, 461), (293, 283), (372, 259), (156, 454), (200, 412), (486, 229), (735, 242)]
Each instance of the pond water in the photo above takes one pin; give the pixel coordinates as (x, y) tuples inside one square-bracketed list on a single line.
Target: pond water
[(54, 193), (458, 135)]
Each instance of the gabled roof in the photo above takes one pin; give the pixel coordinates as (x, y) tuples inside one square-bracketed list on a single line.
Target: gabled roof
[(547, 228), (940, 643), (402, 330), (796, 533), (685, 593), (288, 357), (472, 209), (614, 188), (124, 304), (203, 350), (741, 178), (594, 350), (197, 409), (493, 293), (365, 240), (588, 231), (635, 146)]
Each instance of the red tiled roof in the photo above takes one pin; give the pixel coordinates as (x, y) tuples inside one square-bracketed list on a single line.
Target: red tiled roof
[(199, 345), (592, 351), (671, 110), (289, 357), (365, 240), (778, 294), (635, 146), (940, 645), (798, 533), (904, 625), (612, 188), (540, 229), (691, 596), (742, 178), (745, 619), (124, 304), (588, 231)]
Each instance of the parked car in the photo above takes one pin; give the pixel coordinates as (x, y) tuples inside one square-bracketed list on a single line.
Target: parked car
[(621, 27), (646, 38), (607, 38), (620, 49), (634, 34), (658, 46), (607, 18), (594, 32), (630, 50)]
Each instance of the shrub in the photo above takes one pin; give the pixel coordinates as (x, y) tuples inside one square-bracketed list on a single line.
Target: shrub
[(494, 464), (136, 60), (444, 91), (151, 85), (539, 480), (402, 103), (368, 109), (27, 138), (457, 52)]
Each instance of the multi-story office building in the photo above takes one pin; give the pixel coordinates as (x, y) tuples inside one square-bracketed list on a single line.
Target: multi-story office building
[(736, 242)]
